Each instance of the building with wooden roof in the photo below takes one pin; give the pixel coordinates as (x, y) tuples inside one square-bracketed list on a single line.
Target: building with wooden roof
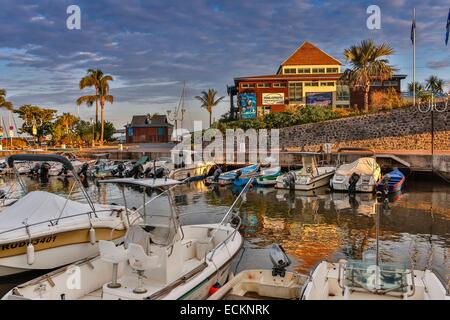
[(148, 129), (309, 76)]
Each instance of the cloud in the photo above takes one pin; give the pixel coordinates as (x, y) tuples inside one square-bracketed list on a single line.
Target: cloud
[(438, 64)]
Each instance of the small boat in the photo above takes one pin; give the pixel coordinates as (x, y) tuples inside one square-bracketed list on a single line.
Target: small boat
[(264, 284), (111, 168), (43, 230), (310, 177), (372, 279), (268, 177), (391, 182), (361, 175), (229, 176), (159, 259)]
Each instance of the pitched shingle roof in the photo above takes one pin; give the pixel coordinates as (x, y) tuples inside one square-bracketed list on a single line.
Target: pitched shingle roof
[(309, 54), (156, 120)]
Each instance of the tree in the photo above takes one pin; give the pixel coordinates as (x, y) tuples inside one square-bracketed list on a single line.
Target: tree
[(3, 103), (368, 63), (36, 116), (208, 100), (434, 84), (92, 79), (419, 87), (104, 96)]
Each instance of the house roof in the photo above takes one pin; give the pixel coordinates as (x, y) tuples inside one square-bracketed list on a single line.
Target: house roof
[(309, 54), (144, 121)]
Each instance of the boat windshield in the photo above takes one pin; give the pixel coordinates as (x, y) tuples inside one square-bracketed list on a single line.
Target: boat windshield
[(383, 278)]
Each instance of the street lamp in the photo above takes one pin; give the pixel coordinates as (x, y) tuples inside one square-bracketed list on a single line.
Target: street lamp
[(93, 131)]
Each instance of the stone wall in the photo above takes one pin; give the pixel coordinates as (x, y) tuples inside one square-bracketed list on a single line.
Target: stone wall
[(399, 129)]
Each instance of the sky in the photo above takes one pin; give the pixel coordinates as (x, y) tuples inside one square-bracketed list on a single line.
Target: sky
[(151, 47)]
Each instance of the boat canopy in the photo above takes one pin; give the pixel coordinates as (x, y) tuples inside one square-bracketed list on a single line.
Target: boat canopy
[(366, 166), (40, 157), (149, 183), (37, 208)]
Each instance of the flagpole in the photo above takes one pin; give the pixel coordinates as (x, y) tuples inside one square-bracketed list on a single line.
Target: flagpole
[(414, 57)]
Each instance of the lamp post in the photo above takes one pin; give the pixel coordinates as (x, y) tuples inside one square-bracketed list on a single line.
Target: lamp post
[(93, 132)]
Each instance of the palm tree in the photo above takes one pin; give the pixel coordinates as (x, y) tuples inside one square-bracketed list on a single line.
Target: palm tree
[(92, 79), (419, 87), (208, 100), (3, 103), (104, 96), (68, 120), (434, 84), (368, 63)]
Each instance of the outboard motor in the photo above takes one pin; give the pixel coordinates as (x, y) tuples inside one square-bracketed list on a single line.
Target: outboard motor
[(238, 174), (121, 169), (2, 194), (137, 171), (217, 174), (352, 181), (280, 260), (289, 181), (385, 183), (35, 169), (63, 171), (43, 173), (84, 170)]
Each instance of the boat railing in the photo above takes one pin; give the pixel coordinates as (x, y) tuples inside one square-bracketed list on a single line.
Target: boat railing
[(224, 219), (51, 221)]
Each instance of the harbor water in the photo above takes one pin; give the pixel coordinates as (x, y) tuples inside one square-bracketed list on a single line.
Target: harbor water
[(311, 227)]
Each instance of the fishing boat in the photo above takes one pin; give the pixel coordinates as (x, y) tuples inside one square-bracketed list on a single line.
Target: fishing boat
[(391, 182), (268, 177), (246, 175), (228, 177), (361, 175), (309, 177), (373, 279), (42, 230), (159, 259), (183, 165), (264, 284)]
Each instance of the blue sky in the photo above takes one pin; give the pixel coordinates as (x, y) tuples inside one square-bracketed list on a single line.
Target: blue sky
[(151, 47)]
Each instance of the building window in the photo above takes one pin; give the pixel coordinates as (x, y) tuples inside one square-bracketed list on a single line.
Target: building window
[(376, 84), (332, 70), (248, 85), (264, 85), (290, 71), (318, 70), (160, 131), (303, 70), (312, 84), (295, 92), (342, 93), (390, 83), (327, 84)]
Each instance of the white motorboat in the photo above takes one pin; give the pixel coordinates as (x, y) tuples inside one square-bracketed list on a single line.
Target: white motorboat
[(373, 279), (43, 230), (160, 259), (309, 177), (361, 175), (361, 280), (264, 284)]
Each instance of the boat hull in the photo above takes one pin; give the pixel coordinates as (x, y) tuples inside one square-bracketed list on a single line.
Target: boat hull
[(318, 182)]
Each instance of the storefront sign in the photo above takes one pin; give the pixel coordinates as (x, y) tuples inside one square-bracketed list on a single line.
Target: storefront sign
[(273, 98), (247, 104), (319, 98)]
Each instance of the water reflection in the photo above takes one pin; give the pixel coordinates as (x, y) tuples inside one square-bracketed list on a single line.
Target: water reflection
[(311, 226)]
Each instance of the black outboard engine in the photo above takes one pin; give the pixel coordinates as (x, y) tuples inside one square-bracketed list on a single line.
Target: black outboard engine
[(289, 181), (280, 260), (84, 170), (2, 194), (217, 174), (35, 169), (238, 174), (43, 173), (137, 171), (352, 181), (63, 171), (385, 183), (121, 169)]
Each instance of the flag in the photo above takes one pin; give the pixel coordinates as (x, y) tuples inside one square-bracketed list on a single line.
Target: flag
[(448, 28), (413, 29)]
